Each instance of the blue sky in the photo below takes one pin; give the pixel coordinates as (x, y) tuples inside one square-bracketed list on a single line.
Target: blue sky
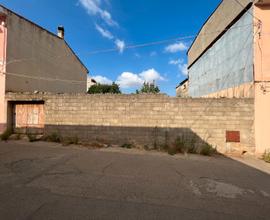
[(96, 25)]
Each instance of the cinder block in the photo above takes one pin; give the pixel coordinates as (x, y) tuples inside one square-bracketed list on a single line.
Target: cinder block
[(138, 117)]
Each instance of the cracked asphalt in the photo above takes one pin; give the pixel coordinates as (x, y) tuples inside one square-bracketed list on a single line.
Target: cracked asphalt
[(47, 181)]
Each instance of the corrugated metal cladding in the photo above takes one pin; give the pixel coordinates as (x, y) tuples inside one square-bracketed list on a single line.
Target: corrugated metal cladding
[(228, 63)]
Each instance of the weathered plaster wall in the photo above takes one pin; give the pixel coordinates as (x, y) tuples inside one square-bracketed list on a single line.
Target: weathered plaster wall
[(40, 60), (221, 18), (90, 82), (3, 40), (227, 64), (243, 91), (2, 103), (182, 90), (262, 80), (262, 45), (148, 119), (262, 118)]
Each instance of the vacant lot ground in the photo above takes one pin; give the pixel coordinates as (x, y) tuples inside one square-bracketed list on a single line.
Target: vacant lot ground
[(47, 181)]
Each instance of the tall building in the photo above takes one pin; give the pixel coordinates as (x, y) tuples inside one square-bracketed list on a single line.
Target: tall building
[(34, 59), (231, 58)]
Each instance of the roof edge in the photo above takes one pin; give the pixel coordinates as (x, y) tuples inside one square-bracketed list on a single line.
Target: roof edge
[(49, 32), (222, 33), (198, 33), (182, 83)]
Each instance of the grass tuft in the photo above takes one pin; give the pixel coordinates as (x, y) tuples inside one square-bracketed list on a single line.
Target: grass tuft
[(54, 137), (5, 136), (31, 137), (127, 146), (173, 150), (207, 150), (266, 157), (70, 140)]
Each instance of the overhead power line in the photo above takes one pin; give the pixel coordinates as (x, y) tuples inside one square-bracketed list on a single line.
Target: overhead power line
[(153, 43), (78, 82), (111, 50), (44, 78), (133, 46)]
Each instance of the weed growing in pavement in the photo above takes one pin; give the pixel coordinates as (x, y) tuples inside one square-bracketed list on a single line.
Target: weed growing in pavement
[(70, 140), (146, 147), (31, 137), (266, 157), (54, 137), (7, 133), (207, 150), (127, 146), (188, 145)]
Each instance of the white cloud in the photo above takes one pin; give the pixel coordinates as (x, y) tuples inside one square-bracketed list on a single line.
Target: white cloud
[(150, 76), (131, 80), (120, 45), (93, 7), (177, 47), (104, 33), (107, 17), (175, 62), (183, 67), (102, 80)]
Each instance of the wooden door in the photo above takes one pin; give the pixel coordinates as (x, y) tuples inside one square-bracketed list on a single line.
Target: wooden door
[(29, 118)]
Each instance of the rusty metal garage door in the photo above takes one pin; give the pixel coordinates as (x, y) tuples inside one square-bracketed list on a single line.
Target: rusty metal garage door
[(29, 118)]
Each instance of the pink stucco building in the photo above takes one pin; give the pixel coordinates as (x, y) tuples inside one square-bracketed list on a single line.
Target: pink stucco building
[(34, 59)]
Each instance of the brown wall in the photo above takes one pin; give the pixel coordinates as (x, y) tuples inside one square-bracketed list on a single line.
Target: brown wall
[(38, 60), (147, 119)]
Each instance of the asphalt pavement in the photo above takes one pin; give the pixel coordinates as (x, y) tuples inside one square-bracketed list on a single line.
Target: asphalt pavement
[(48, 181)]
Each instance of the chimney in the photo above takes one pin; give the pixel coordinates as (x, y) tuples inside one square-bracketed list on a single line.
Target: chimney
[(61, 32), (3, 18)]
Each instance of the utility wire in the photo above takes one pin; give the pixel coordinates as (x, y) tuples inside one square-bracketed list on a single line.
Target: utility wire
[(143, 44), (44, 78), (109, 50), (76, 81), (153, 43), (133, 46)]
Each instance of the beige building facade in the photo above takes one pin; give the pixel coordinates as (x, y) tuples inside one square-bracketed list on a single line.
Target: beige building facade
[(230, 59), (90, 82), (34, 59), (182, 89)]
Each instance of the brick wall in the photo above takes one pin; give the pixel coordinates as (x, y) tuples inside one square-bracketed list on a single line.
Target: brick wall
[(147, 119)]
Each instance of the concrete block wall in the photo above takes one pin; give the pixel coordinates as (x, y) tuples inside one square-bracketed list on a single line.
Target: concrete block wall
[(147, 119)]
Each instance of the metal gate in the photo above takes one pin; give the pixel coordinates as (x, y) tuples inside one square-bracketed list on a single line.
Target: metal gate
[(29, 118)]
